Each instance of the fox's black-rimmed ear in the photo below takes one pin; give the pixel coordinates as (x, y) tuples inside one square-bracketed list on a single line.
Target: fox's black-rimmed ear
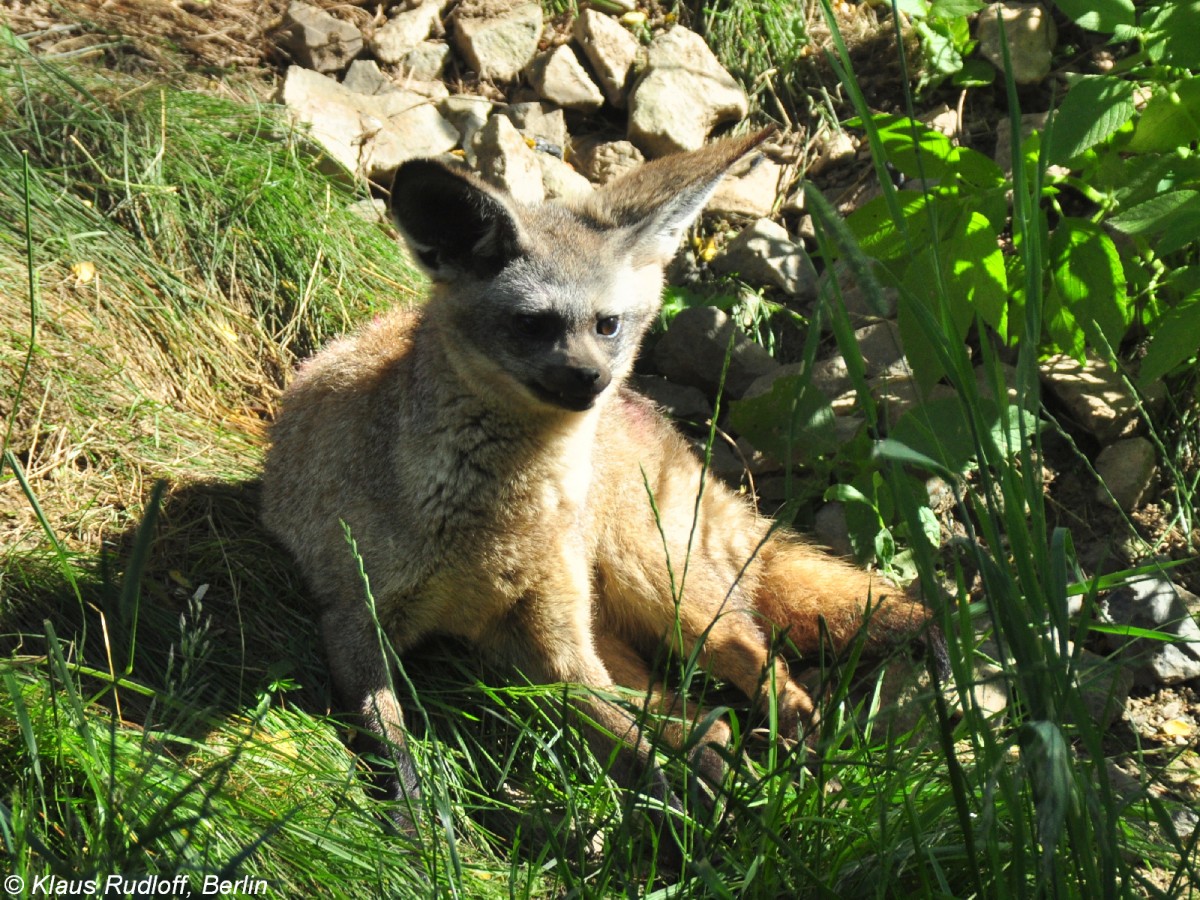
[(455, 223), (657, 202)]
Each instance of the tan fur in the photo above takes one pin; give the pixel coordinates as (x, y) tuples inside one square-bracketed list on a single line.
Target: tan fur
[(483, 511)]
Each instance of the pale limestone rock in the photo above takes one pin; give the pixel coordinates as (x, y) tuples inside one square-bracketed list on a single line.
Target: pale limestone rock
[(468, 114), (1154, 603), (498, 38), (1128, 469), (763, 253), (1096, 397), (317, 40), (602, 161), (503, 159), (540, 122), (561, 181), (681, 95), (364, 77), (558, 77), (403, 32), (693, 351), (426, 62), (1030, 34), (749, 189), (368, 135), (610, 49)]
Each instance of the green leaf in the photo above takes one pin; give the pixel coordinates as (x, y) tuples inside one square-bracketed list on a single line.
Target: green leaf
[(792, 416), (966, 269), (914, 8), (1157, 213), (939, 49), (1173, 36), (954, 9), (880, 237), (1174, 339), (1098, 15), (1094, 109), (921, 152), (938, 430), (1171, 118), (1087, 295), (975, 73)]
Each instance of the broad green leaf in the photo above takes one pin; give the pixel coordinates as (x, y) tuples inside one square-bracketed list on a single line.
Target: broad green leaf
[(939, 50), (880, 237), (921, 152), (954, 9), (938, 430), (975, 73), (1098, 15), (966, 268), (1174, 339), (1173, 34), (792, 417), (1094, 109), (1157, 213), (1171, 118), (1086, 296)]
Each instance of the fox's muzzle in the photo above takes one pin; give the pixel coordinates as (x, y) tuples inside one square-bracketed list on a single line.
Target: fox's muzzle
[(572, 387)]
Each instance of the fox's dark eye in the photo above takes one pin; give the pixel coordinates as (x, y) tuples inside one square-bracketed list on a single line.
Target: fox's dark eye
[(534, 326), (608, 326)]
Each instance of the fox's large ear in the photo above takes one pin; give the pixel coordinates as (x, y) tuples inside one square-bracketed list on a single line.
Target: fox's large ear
[(454, 222), (657, 202)]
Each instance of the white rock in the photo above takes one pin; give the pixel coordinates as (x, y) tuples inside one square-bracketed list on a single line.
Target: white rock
[(610, 49), (693, 351), (539, 121), (426, 61), (880, 347), (750, 188), (1095, 396), (368, 135), (403, 32), (317, 40), (1154, 603), (559, 77), (602, 161), (562, 182), (832, 530), (1128, 469), (682, 94), (498, 38), (364, 77), (503, 159), (1030, 34), (468, 114), (763, 253)]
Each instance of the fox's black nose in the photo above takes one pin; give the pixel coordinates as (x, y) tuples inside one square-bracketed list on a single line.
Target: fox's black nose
[(574, 387)]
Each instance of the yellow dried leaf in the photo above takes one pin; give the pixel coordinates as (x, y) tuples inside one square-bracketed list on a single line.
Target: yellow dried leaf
[(1177, 728)]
